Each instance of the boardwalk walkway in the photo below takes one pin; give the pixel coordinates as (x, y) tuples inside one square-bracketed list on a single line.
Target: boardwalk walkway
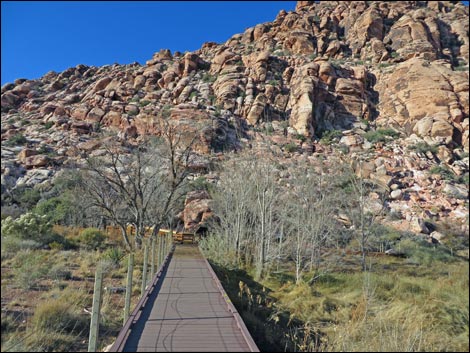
[(188, 312)]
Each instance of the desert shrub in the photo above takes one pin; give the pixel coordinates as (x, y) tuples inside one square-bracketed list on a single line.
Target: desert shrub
[(290, 147), (58, 273), (421, 252), (445, 173), (201, 183), (17, 139), (26, 197), (423, 147), (269, 129), (327, 137), (30, 227), (207, 77), (10, 246), (59, 315), (31, 268), (380, 135), (55, 209), (113, 255), (300, 137), (92, 238)]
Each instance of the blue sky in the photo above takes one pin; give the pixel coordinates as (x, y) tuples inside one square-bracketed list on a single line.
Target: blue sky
[(39, 36)]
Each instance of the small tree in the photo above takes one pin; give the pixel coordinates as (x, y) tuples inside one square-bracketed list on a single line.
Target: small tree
[(358, 209), (310, 217)]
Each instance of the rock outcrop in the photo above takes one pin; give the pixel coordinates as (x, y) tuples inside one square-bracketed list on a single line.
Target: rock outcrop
[(348, 66)]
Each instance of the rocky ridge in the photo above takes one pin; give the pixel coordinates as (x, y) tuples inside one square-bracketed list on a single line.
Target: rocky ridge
[(351, 67)]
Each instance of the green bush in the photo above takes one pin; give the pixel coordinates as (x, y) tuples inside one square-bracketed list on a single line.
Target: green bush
[(423, 147), (207, 77), (290, 147), (447, 174), (26, 197), (55, 209), (17, 139), (269, 128), (113, 255), (30, 227), (201, 183), (381, 135), (92, 238), (300, 137), (327, 137), (421, 252)]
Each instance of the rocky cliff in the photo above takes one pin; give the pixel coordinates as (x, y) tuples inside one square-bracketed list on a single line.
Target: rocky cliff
[(350, 66)]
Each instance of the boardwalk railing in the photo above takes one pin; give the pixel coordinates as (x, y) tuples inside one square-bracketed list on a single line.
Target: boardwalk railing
[(241, 325), (118, 345), (181, 318)]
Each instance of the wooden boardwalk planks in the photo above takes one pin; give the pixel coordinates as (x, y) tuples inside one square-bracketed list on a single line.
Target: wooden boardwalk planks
[(188, 312)]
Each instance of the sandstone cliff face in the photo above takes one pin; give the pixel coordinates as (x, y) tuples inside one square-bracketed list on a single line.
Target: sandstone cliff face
[(319, 67), (331, 65)]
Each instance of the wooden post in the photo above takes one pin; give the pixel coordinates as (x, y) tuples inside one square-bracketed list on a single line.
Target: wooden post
[(160, 250), (152, 268), (144, 270), (164, 247), (95, 311), (130, 270)]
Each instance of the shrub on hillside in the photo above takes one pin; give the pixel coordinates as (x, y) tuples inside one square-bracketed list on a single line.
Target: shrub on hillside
[(31, 228), (55, 209), (113, 256), (92, 238), (423, 147), (381, 135), (327, 137)]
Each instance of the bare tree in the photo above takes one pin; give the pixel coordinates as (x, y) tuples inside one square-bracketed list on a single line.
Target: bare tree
[(362, 210), (246, 203), (309, 219), (142, 184), (266, 197), (232, 202)]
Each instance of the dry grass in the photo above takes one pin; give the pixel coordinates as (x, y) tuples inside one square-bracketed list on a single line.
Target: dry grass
[(45, 310), (397, 306)]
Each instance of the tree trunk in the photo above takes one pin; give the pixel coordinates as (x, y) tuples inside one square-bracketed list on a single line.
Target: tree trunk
[(125, 237)]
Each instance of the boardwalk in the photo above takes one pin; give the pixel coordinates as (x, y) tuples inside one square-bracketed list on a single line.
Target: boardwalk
[(188, 311)]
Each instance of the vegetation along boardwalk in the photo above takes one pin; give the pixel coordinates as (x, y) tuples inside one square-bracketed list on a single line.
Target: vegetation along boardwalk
[(187, 310)]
